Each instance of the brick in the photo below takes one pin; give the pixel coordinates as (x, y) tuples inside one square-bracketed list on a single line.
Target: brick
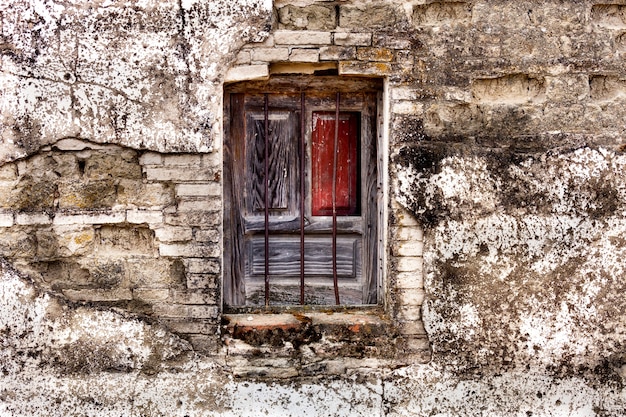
[(374, 54), (304, 55), (410, 264), (173, 234), (269, 54), (337, 53), (411, 297), (247, 72), (208, 189), (188, 249), (404, 218), (6, 219), (413, 280), (32, 218), (409, 248), (150, 158), (403, 93), (393, 42), (352, 39), (144, 216), (289, 37)]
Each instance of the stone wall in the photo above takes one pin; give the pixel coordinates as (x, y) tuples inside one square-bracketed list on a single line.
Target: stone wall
[(503, 130)]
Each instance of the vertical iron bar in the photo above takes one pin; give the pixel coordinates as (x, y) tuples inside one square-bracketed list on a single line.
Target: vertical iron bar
[(266, 203), (334, 197), (302, 168)]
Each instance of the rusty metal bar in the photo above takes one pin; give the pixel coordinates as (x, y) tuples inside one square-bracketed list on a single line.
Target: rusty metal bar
[(302, 189), (267, 202), (334, 197)]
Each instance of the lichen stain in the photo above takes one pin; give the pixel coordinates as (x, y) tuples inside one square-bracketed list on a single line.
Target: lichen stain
[(517, 282)]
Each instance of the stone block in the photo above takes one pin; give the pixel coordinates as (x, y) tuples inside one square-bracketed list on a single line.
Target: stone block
[(201, 281), (180, 174), (408, 248), (442, 13), (304, 55), (194, 218), (151, 294), (197, 326), (247, 72), (183, 159), (368, 53), (155, 273), (200, 190), (74, 240), (6, 219), (269, 54), (367, 15), (406, 107), (352, 39), (409, 233), (139, 194), (411, 297), (144, 216), (289, 37), (189, 250), (191, 297), (202, 266), (410, 313), (125, 240), (17, 243), (106, 165), (264, 372), (92, 194), (337, 53), (32, 219), (410, 280), (98, 295), (207, 235), (243, 57), (151, 158), (174, 234), (8, 172), (206, 204), (364, 68), (310, 17), (410, 264), (392, 41)]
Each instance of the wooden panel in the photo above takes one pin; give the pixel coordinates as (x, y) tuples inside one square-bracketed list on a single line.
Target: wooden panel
[(322, 159), (284, 256), (282, 162)]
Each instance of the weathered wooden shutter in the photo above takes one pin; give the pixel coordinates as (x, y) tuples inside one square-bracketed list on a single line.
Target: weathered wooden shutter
[(244, 221)]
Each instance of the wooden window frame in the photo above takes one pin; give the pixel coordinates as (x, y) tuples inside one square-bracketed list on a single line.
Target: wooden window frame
[(308, 85)]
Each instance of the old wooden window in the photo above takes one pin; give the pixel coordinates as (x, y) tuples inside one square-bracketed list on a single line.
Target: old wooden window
[(297, 150)]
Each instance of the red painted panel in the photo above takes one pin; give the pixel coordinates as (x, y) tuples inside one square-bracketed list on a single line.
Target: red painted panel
[(323, 138)]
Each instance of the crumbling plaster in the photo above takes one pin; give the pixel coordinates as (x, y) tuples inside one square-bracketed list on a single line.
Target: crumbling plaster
[(142, 74), (506, 136)]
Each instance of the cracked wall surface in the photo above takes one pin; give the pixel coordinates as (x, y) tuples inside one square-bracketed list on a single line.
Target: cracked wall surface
[(504, 128)]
